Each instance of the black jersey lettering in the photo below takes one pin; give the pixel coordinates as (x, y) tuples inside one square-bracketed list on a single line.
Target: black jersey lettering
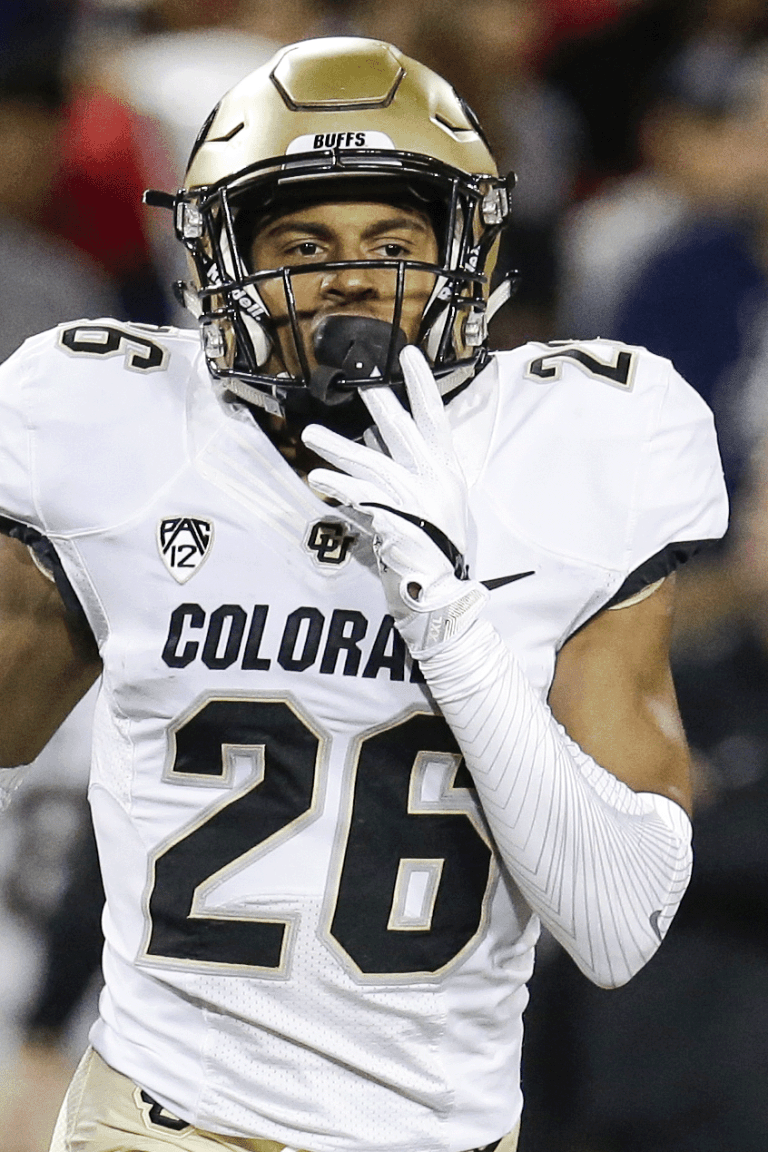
[(618, 371), (410, 784), (346, 643), (141, 354)]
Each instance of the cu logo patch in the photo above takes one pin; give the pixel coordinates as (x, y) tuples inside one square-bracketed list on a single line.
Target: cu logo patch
[(155, 1116), (330, 542), (184, 542)]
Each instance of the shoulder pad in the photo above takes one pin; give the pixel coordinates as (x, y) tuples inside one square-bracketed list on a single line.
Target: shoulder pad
[(104, 404)]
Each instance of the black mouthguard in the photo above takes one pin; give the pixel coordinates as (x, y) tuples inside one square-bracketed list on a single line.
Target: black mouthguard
[(350, 348)]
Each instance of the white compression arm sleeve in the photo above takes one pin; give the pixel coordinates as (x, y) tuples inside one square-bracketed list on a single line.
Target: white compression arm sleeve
[(604, 867)]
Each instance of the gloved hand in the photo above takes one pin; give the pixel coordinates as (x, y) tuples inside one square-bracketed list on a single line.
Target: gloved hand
[(417, 501)]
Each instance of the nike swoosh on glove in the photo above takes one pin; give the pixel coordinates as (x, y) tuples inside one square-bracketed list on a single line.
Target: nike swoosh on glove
[(417, 501)]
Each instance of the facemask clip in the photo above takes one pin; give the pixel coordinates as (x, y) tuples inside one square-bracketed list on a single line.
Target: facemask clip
[(189, 220), (214, 344), (475, 329), (494, 207)]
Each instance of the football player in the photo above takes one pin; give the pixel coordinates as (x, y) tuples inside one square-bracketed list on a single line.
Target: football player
[(382, 621)]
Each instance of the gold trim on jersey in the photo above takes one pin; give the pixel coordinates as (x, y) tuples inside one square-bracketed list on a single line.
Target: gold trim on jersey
[(431, 790), (618, 371), (445, 800), (233, 757), (638, 597), (413, 901), (108, 339)]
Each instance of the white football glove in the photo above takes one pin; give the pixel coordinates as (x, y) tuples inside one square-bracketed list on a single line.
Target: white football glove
[(416, 498)]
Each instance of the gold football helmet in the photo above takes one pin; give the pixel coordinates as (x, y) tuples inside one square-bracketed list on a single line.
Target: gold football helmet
[(327, 119)]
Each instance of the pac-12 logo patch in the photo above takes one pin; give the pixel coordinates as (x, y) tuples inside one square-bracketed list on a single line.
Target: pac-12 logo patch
[(330, 541), (184, 542)]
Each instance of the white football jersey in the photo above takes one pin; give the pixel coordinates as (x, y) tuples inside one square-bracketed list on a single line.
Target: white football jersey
[(308, 935)]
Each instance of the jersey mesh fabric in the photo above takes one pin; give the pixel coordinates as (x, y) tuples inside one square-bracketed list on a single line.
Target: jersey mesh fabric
[(429, 1061)]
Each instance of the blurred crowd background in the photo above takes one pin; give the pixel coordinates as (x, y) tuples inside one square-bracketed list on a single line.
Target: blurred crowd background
[(639, 131)]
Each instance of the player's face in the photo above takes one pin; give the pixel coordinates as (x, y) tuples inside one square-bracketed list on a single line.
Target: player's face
[(329, 232)]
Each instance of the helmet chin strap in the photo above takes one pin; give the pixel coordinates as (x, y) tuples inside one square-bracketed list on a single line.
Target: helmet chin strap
[(500, 295)]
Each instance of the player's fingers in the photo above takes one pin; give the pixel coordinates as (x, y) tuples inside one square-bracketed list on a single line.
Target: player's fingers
[(346, 489), (349, 456), (398, 430), (426, 403)]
